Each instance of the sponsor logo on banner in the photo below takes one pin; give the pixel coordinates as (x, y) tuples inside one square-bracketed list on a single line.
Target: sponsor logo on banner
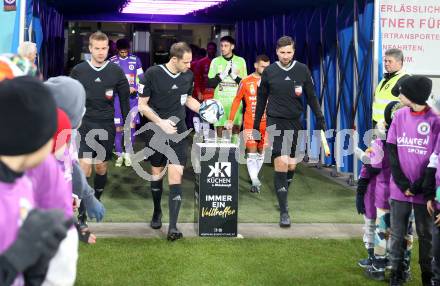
[(9, 5), (413, 27), (219, 174)]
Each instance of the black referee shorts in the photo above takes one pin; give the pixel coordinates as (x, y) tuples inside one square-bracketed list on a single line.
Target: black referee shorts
[(163, 150), (285, 143), (97, 140)]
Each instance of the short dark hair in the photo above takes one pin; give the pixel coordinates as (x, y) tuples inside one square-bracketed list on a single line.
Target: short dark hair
[(285, 41), (228, 39), (98, 36), (212, 44), (123, 44), (178, 49), (263, 58), (395, 53)]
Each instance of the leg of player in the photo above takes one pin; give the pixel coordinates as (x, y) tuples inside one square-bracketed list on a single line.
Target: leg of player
[(290, 171), (235, 138), (280, 182), (127, 158), (118, 146), (156, 192), (368, 239), (377, 270), (100, 178), (252, 165), (175, 173), (119, 136)]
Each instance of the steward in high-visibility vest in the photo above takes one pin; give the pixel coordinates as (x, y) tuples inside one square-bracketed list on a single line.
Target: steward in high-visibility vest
[(384, 93), (388, 88)]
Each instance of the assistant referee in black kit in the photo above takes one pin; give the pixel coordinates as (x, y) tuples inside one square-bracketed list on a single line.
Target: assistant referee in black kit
[(101, 80), (283, 86)]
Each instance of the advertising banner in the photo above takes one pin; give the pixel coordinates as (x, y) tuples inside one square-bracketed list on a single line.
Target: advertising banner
[(414, 27)]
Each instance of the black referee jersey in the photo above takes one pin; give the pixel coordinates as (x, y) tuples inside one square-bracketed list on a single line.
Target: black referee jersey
[(167, 92), (282, 89), (101, 85)]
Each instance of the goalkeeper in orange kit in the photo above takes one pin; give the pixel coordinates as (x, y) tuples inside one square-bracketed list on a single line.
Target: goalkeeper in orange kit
[(247, 92)]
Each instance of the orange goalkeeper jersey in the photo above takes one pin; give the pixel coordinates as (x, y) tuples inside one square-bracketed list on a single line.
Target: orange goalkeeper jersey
[(247, 91)]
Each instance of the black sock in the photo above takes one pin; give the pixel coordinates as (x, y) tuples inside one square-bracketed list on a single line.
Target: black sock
[(156, 192), (99, 184), (290, 175), (174, 201), (280, 182)]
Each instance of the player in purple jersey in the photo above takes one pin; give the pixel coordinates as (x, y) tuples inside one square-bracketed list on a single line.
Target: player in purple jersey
[(132, 67), (411, 141)]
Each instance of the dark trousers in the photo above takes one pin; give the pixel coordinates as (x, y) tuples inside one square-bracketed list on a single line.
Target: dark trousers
[(436, 251), (400, 212)]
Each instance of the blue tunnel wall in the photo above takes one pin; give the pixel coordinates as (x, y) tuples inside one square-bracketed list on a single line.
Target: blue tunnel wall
[(336, 42)]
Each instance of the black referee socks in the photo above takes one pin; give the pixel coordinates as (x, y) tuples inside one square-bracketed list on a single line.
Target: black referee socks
[(156, 192), (174, 201), (290, 175), (99, 184), (280, 182)]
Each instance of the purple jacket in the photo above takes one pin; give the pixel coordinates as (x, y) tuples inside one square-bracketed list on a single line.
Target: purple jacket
[(378, 192)]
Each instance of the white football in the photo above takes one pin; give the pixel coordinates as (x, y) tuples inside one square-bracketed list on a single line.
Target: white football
[(211, 110)]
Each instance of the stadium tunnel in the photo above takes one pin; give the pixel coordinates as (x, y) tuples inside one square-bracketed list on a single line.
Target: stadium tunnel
[(336, 39)]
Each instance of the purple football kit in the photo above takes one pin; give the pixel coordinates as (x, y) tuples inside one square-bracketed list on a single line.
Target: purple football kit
[(132, 68)]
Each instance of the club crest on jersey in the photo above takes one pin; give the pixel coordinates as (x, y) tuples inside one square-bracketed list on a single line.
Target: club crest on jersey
[(298, 90), (252, 89), (109, 94), (423, 128), (131, 67)]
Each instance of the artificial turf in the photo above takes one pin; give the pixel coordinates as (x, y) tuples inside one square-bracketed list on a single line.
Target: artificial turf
[(312, 198), (215, 261)]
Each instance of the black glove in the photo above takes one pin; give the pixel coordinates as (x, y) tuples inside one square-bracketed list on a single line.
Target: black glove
[(36, 274), (416, 187), (360, 205), (360, 194), (320, 124), (40, 235)]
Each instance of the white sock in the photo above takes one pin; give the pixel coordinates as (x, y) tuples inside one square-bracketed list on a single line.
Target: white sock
[(252, 165), (260, 161)]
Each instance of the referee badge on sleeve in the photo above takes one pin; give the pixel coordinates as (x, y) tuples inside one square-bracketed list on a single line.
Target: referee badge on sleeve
[(141, 88), (298, 90), (109, 94), (183, 98)]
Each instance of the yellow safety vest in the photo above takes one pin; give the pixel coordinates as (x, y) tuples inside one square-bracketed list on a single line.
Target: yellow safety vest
[(383, 96)]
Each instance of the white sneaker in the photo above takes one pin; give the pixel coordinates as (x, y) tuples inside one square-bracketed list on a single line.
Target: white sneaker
[(127, 160), (119, 161)]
